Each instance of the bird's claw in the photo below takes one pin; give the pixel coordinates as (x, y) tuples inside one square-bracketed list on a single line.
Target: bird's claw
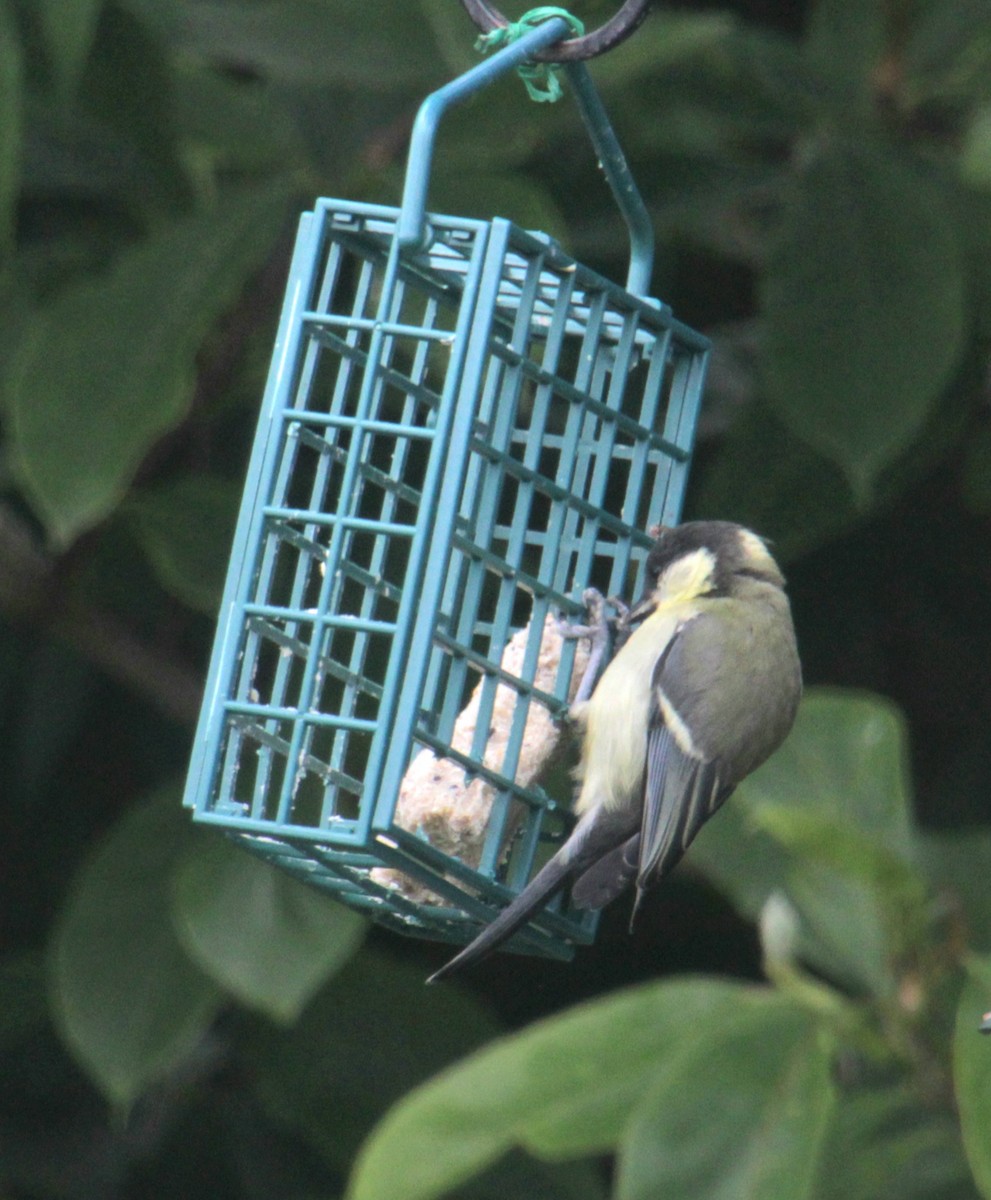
[(595, 611), (599, 630)]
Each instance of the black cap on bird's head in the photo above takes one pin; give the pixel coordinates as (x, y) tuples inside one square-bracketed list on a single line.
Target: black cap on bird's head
[(719, 550)]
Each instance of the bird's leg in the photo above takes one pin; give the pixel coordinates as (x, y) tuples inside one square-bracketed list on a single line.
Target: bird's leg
[(622, 611), (599, 631)]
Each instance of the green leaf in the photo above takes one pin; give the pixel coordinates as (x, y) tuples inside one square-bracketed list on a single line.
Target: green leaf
[(959, 864), (127, 1000), (108, 367), (741, 1113), (947, 55), (565, 1087), (836, 797), (976, 481), (448, 27), (376, 45), (846, 758), (22, 997), (263, 936), (814, 837), (972, 1071), (371, 1034), (739, 84), (887, 1141), (975, 154), (236, 123), (864, 308), (863, 905), (68, 28), (668, 39), (186, 528), (11, 122), (127, 91), (843, 44), (766, 478)]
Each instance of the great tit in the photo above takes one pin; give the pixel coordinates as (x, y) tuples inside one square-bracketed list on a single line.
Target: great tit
[(704, 688)]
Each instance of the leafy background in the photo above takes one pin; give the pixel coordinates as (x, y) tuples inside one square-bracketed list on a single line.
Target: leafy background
[(796, 1014)]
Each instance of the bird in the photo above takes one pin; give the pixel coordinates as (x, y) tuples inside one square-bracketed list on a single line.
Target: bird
[(703, 688)]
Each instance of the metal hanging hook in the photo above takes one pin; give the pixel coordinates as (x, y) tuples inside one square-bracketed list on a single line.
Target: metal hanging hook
[(412, 229), (487, 17)]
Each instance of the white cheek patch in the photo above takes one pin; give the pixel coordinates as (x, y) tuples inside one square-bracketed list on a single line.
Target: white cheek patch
[(687, 577), (756, 552)]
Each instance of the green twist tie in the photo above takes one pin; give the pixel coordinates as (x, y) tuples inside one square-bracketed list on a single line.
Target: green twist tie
[(540, 78)]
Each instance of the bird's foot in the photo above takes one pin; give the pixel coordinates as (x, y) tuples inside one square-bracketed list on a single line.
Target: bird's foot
[(595, 611), (599, 630)]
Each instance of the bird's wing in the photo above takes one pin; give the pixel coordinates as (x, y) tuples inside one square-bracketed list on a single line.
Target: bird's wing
[(682, 788), (681, 792)]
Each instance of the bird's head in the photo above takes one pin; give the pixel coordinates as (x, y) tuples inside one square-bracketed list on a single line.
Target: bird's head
[(702, 558)]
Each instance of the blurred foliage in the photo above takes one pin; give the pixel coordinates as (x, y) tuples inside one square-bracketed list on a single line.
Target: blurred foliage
[(178, 1019), (841, 1075)]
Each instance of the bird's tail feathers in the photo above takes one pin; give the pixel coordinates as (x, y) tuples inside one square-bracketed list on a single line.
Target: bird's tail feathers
[(543, 887), (603, 881)]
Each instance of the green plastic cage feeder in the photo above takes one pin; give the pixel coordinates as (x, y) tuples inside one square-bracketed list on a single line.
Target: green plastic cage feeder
[(462, 429)]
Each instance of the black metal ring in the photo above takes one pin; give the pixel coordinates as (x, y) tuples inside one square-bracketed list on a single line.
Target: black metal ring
[(618, 27)]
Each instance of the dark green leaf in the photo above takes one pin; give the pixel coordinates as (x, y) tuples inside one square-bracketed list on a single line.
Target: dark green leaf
[(108, 367), (972, 1071), (370, 1035), (889, 1143), (186, 528), (862, 904), (841, 777), (23, 1006), (54, 705), (844, 43), (497, 129), (976, 481), (667, 39), (235, 123), (453, 38), (736, 86), (562, 1088), (959, 863), (127, 90), (847, 759), (266, 938), (68, 27), (864, 307), (11, 121), (128, 1002), (375, 45), (975, 154), (741, 1113), (766, 478), (947, 55)]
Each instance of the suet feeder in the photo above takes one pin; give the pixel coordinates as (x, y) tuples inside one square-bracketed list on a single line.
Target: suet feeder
[(462, 429)]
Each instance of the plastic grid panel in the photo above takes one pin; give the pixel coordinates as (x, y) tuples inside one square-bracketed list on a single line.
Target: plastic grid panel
[(578, 377), (449, 448)]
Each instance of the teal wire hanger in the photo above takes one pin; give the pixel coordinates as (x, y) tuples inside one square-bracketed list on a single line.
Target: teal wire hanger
[(531, 44)]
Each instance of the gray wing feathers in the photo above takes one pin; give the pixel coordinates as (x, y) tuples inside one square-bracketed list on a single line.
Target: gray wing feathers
[(681, 792)]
